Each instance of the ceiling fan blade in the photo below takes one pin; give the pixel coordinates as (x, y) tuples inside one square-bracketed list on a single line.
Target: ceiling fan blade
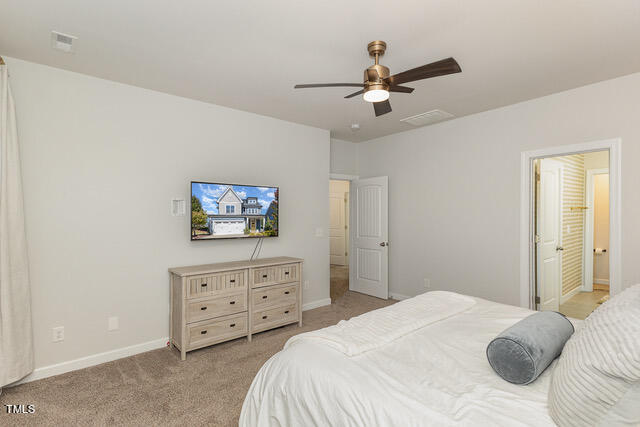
[(402, 89), (360, 92), (435, 69), (381, 108), (305, 86)]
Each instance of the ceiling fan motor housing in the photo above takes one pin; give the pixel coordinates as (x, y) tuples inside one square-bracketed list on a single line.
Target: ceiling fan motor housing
[(373, 78)]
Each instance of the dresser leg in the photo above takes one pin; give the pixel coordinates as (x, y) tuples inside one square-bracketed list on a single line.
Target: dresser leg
[(183, 355), (249, 337), (300, 323)]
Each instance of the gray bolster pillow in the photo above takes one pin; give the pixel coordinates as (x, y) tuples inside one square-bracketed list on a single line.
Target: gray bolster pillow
[(523, 351)]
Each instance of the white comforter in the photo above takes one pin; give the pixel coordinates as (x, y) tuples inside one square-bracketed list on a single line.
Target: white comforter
[(430, 370)]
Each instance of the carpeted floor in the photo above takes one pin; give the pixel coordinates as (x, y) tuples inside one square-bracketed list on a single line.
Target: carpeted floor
[(156, 388), (582, 304), (339, 281)]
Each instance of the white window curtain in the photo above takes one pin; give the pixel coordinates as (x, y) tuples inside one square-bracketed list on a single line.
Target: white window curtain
[(16, 339)]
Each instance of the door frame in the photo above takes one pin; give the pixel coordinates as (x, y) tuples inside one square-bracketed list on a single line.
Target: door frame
[(344, 177), (527, 241), (588, 226), (559, 254), (345, 202)]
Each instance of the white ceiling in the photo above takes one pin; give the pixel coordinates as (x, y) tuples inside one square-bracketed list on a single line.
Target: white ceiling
[(249, 54)]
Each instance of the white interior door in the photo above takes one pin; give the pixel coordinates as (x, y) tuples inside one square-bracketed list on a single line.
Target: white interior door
[(337, 229), (549, 241), (369, 256)]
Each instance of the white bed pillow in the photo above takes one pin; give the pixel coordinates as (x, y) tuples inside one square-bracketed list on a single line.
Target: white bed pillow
[(597, 379)]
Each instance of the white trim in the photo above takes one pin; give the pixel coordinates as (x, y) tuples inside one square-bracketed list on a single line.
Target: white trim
[(615, 218), (398, 297), (566, 297), (119, 353), (343, 177), (600, 281), (587, 285), (94, 359), (316, 304)]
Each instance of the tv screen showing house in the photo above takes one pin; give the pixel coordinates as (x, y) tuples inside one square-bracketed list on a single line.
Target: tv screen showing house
[(227, 211)]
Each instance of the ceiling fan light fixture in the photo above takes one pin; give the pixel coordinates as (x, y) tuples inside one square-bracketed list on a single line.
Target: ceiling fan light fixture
[(376, 95)]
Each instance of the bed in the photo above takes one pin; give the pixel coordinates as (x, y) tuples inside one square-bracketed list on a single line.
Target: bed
[(421, 361)]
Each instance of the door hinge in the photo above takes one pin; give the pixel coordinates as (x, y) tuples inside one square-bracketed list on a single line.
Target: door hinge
[(537, 300), (345, 254), (345, 227)]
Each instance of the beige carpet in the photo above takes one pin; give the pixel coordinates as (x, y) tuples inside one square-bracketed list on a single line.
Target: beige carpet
[(582, 304), (156, 388), (339, 281)]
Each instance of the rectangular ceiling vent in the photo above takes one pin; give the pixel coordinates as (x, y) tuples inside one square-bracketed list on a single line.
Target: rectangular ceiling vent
[(428, 118), (63, 42)]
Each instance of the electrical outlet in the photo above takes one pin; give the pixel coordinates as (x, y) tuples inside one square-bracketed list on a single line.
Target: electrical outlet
[(113, 324), (57, 334), (427, 283), (306, 284)]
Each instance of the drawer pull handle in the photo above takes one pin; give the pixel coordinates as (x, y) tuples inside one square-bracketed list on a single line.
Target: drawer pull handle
[(204, 285), (232, 281), (203, 332), (232, 302), (232, 325), (286, 273), (264, 276), (286, 312), (203, 308), (264, 317), (264, 296), (286, 292)]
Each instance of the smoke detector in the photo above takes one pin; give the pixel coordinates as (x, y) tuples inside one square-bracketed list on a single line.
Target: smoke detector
[(428, 118), (355, 127), (63, 42)]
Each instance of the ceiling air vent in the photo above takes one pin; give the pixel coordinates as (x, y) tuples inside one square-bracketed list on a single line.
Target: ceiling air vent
[(428, 118), (63, 42)]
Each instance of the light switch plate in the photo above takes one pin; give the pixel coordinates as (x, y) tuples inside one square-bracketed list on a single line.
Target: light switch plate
[(57, 334)]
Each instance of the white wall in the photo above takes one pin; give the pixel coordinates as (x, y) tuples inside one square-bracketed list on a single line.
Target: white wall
[(454, 188), (344, 157), (101, 162)]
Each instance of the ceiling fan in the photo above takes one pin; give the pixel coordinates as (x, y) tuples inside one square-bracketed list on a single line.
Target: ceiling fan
[(378, 83)]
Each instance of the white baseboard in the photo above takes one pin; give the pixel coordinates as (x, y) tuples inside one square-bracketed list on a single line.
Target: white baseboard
[(398, 297), (108, 356), (600, 281), (564, 298), (316, 304), (94, 359)]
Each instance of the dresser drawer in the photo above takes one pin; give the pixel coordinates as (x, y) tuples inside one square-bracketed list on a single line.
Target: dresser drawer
[(275, 295), (216, 306), (217, 330), (277, 274), (272, 317), (212, 284)]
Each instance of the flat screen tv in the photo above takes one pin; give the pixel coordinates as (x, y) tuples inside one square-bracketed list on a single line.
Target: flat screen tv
[(229, 211)]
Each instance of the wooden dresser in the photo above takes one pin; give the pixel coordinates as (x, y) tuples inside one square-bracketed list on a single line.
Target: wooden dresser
[(213, 303)]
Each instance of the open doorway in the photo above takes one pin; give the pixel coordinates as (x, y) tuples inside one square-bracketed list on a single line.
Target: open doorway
[(571, 232), (339, 237)]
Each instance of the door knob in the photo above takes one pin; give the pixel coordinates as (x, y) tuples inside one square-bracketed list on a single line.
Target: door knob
[(383, 244), (559, 248)]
